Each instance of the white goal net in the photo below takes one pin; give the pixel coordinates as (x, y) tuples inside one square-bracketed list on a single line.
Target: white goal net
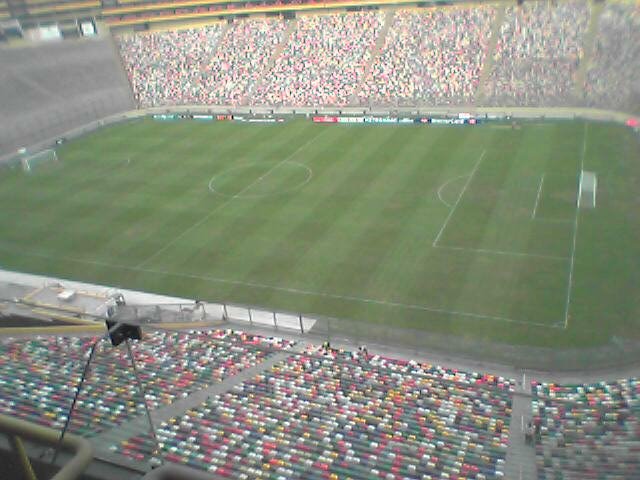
[(587, 190), (29, 162)]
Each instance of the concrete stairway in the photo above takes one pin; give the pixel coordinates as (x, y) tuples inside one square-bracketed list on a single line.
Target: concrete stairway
[(375, 54), (122, 69), (140, 424), (487, 68), (589, 46), (293, 23), (521, 458)]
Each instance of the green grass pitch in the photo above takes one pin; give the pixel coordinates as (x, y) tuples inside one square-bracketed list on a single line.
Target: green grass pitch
[(472, 231)]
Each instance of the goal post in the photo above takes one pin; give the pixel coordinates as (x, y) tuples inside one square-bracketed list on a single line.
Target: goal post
[(29, 162), (587, 189)]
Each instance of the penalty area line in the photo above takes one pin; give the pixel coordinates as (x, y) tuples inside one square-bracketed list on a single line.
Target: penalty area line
[(575, 234), (535, 207), (554, 220), (502, 252), (298, 291)]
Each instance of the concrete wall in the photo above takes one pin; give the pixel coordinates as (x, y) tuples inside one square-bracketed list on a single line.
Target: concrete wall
[(48, 89), (43, 142)]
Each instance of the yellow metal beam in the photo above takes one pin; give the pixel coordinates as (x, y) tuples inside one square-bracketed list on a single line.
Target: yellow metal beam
[(244, 10), (28, 296), (83, 452), (21, 452), (58, 330), (63, 7), (61, 317), (185, 325), (160, 6), (52, 307)]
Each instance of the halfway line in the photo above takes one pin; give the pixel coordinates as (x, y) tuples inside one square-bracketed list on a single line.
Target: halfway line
[(224, 204), (455, 205), (447, 183)]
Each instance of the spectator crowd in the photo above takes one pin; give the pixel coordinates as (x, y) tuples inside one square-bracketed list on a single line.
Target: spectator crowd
[(537, 54), (241, 57), (613, 79), (168, 68), (431, 57), (323, 62), (211, 65), (428, 57)]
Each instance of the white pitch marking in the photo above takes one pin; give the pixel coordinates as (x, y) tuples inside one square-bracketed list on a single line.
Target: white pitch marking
[(580, 188), (575, 234), (502, 252), (297, 291), (224, 204), (281, 192), (554, 220), (455, 205), (535, 207), (447, 183)]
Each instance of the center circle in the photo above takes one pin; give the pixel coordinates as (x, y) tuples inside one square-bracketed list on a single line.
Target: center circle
[(260, 179)]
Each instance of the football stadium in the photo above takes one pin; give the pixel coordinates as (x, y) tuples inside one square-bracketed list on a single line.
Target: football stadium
[(341, 240)]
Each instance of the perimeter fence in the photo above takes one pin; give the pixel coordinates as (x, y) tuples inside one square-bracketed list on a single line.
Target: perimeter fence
[(35, 137), (617, 352)]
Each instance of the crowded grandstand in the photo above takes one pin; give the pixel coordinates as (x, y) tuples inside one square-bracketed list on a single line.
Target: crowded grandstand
[(224, 377), (384, 58)]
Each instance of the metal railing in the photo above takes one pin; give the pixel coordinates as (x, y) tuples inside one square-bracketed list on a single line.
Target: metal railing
[(17, 430), (42, 139), (179, 472), (617, 352)]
